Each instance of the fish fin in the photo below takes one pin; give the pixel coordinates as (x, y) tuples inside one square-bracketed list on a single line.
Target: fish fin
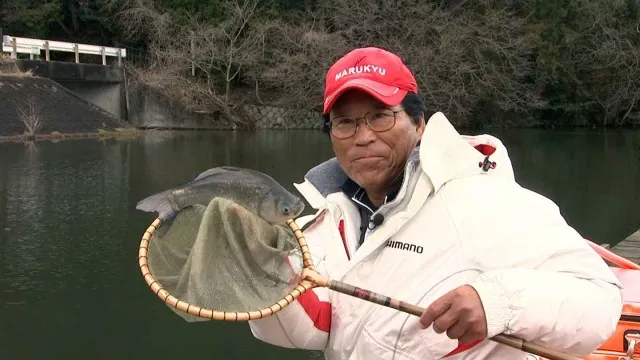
[(219, 170), (234, 168), (158, 203), (166, 224), (212, 171)]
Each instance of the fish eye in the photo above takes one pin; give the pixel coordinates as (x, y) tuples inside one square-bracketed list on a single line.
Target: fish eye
[(286, 209)]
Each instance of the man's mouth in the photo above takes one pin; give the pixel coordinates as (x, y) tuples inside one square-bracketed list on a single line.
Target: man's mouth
[(368, 158)]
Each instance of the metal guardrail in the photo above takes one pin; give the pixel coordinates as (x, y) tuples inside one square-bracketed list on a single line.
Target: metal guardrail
[(34, 47)]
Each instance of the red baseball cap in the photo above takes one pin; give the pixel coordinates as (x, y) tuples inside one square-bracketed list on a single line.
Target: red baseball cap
[(378, 72)]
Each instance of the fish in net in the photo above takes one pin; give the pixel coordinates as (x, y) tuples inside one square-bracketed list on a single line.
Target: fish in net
[(221, 241), (224, 257)]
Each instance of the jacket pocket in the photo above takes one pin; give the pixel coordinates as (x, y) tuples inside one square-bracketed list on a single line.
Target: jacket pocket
[(369, 348), (439, 345)]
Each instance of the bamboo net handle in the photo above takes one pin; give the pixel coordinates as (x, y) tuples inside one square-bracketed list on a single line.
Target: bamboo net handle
[(310, 279)]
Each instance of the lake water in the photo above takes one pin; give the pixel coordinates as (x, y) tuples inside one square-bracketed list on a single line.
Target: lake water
[(70, 285)]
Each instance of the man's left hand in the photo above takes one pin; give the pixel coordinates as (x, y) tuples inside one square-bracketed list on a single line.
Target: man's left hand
[(459, 313)]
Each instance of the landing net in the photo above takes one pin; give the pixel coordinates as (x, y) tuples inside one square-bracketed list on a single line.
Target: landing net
[(221, 257)]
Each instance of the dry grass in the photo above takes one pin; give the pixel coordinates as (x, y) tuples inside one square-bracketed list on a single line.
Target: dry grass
[(17, 74), (30, 115), (8, 67), (57, 136)]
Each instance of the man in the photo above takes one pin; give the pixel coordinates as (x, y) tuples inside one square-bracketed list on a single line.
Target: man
[(415, 211)]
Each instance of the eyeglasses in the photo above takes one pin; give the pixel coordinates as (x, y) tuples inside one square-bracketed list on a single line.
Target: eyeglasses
[(378, 121)]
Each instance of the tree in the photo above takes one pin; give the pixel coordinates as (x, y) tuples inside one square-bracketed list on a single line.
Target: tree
[(197, 61)]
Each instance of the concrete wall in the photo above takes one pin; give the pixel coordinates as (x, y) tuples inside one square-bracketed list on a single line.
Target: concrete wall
[(60, 109), (108, 96), (148, 109)]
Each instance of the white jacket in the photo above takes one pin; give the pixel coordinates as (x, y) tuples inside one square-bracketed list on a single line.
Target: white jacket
[(451, 224)]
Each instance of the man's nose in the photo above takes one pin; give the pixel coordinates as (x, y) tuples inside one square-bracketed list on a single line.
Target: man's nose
[(364, 134)]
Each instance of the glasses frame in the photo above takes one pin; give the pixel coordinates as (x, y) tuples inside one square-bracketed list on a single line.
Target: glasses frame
[(366, 121)]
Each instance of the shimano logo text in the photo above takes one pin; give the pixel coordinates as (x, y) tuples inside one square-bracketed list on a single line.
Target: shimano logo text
[(405, 246)]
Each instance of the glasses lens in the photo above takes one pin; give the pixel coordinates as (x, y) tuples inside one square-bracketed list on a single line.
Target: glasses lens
[(343, 127), (381, 120)]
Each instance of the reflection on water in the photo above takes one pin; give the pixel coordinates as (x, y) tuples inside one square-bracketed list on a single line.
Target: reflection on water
[(69, 231), (593, 176)]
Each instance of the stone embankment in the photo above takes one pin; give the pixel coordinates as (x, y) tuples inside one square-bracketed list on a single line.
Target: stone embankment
[(269, 117), (26, 101)]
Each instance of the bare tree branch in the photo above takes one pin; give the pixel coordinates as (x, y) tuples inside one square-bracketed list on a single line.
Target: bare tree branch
[(465, 54)]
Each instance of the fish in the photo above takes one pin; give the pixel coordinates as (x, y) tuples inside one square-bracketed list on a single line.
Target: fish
[(255, 191)]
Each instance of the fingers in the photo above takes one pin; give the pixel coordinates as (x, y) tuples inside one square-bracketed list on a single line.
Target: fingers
[(458, 324), (457, 330), (476, 329), (453, 323), (434, 311), (445, 321), (459, 313)]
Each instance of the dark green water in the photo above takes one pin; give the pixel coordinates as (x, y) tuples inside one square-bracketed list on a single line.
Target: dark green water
[(70, 285)]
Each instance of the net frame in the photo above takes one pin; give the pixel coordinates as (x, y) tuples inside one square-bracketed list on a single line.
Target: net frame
[(310, 278)]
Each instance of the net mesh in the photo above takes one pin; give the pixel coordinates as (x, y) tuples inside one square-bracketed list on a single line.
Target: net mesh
[(223, 257)]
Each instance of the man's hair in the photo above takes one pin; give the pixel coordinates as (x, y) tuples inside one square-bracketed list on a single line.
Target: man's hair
[(413, 105)]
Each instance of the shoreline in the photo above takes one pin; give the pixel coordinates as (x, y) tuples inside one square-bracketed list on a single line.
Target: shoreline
[(134, 132), (126, 133)]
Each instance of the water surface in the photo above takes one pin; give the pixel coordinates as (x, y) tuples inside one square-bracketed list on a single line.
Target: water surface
[(69, 232)]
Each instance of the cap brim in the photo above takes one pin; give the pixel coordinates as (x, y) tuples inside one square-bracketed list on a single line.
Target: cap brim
[(388, 95)]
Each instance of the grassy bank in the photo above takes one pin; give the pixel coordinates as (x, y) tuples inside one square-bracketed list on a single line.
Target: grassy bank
[(120, 133)]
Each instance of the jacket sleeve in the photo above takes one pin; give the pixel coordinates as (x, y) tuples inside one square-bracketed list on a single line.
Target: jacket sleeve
[(306, 322), (539, 280)]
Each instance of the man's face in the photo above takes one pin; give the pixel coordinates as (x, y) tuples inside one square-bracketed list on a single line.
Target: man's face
[(373, 159)]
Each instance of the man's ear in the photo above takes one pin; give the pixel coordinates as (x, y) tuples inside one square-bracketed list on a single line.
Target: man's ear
[(421, 125)]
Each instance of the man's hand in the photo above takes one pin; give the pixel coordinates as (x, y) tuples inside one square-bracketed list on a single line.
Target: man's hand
[(459, 313)]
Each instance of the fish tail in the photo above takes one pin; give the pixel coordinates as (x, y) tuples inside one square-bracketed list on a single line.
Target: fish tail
[(158, 203), (166, 224)]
